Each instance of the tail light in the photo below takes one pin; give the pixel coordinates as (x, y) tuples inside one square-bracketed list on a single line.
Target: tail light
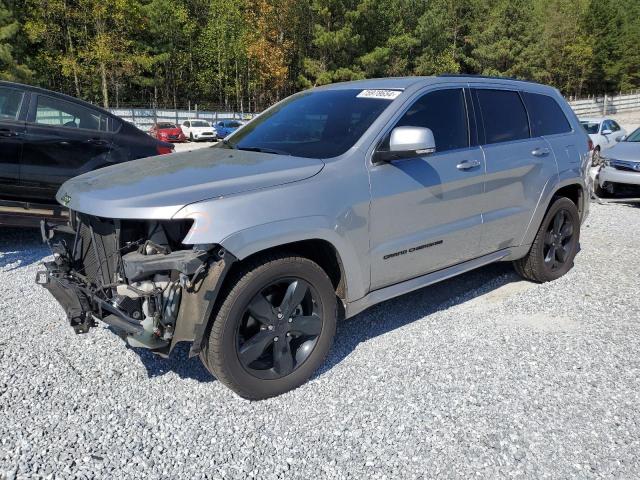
[(162, 149), (590, 144)]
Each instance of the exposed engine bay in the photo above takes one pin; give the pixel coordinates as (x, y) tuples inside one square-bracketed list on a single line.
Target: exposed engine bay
[(133, 275)]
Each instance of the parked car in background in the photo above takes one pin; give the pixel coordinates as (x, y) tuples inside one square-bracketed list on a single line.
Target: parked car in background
[(604, 133), (620, 171), (354, 192), (195, 129), (47, 138), (227, 127), (167, 132)]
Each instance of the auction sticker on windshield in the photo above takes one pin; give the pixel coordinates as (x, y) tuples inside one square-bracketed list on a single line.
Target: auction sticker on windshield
[(381, 94)]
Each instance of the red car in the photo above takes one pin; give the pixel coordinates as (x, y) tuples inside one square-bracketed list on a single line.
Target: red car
[(167, 132)]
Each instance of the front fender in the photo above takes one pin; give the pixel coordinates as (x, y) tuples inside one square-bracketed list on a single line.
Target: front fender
[(257, 221), (256, 239)]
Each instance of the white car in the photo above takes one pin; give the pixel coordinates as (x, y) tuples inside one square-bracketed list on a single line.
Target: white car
[(604, 133), (620, 169), (196, 129)]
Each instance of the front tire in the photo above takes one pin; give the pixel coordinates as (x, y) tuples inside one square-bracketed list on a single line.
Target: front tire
[(274, 327), (555, 245)]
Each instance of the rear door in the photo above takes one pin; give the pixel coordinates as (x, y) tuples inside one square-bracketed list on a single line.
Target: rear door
[(12, 128), (549, 121), (517, 166), (63, 139)]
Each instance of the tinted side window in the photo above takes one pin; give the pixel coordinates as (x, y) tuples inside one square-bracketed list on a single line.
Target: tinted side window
[(503, 115), (10, 102), (546, 116), (60, 113), (614, 126), (444, 112)]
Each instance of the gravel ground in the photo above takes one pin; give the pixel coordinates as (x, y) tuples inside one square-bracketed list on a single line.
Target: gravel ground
[(480, 376)]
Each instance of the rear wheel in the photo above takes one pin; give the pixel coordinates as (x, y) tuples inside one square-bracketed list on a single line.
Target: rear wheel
[(273, 328), (555, 245)]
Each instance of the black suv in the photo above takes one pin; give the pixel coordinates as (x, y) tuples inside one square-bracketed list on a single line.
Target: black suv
[(47, 138)]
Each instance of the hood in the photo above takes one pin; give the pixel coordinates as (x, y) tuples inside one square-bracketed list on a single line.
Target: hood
[(157, 187), (629, 151), (201, 129), (170, 131)]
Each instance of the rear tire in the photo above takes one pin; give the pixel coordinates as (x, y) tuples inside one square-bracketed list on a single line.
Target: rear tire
[(555, 245), (274, 327)]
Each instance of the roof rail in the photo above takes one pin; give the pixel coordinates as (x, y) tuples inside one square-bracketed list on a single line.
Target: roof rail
[(490, 77)]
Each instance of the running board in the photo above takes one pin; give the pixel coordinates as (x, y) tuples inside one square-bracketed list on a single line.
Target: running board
[(398, 289)]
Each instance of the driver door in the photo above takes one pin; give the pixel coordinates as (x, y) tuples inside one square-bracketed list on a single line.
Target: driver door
[(426, 211), (64, 139)]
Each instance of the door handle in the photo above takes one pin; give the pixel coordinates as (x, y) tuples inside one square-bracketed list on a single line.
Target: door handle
[(5, 132), (468, 165), (540, 152), (97, 141)]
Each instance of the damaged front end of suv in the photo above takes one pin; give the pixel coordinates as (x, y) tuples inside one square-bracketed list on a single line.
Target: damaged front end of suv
[(136, 276)]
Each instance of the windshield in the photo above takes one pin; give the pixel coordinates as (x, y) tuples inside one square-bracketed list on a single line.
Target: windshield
[(634, 136), (199, 123), (166, 125), (591, 127), (315, 124)]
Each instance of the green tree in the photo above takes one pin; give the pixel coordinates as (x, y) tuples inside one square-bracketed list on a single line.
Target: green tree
[(10, 68)]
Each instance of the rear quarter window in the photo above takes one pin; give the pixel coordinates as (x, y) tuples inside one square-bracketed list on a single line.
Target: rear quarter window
[(503, 115), (546, 116)]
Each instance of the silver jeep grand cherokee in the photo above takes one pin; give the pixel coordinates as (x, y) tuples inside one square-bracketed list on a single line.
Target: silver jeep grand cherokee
[(340, 196)]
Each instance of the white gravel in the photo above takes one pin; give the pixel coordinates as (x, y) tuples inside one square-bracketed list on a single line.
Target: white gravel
[(481, 376)]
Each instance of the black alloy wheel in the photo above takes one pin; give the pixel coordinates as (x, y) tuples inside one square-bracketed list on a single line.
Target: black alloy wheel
[(558, 241), (555, 245), (279, 329), (273, 327)]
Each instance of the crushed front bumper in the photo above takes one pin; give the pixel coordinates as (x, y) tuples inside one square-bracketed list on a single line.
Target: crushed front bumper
[(195, 276)]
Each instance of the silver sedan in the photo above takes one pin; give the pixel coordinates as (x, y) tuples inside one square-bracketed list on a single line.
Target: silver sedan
[(621, 167)]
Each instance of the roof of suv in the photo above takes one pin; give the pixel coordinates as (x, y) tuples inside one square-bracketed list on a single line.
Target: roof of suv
[(403, 83)]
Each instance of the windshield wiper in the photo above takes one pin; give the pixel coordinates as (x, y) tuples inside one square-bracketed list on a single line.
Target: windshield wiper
[(262, 150)]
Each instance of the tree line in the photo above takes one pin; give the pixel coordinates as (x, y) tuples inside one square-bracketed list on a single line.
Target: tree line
[(247, 54)]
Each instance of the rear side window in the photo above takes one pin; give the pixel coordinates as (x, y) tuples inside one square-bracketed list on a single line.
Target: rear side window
[(503, 116), (444, 112), (60, 113), (10, 102), (546, 116)]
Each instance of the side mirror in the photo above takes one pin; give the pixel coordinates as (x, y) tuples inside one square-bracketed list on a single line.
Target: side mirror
[(606, 132), (408, 142)]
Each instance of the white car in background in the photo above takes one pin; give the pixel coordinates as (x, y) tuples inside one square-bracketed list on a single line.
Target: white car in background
[(620, 170), (196, 129), (604, 133)]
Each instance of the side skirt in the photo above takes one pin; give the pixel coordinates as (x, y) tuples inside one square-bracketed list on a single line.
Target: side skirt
[(398, 289)]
